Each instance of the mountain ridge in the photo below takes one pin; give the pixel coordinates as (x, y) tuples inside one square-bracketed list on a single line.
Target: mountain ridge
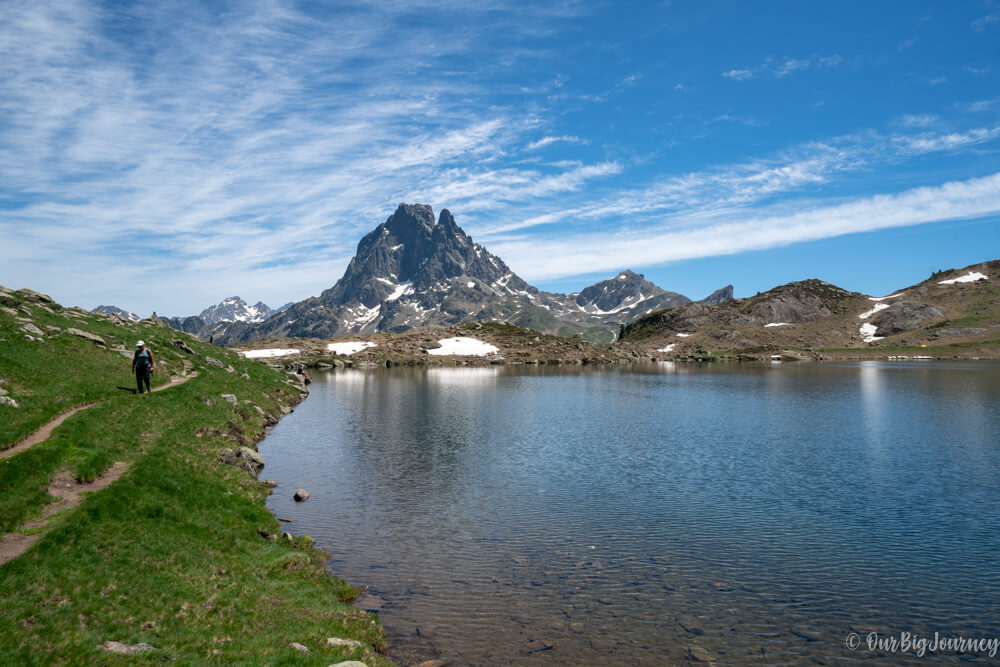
[(414, 270)]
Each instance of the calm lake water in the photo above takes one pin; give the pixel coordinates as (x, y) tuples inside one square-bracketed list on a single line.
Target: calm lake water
[(655, 514)]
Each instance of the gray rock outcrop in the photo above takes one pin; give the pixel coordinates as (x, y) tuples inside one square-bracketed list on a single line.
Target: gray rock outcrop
[(905, 315)]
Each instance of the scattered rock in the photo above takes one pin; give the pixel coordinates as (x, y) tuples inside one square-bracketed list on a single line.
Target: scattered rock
[(207, 401), (690, 625), (212, 361), (37, 297), (301, 495), (962, 332), (270, 537), (603, 643), (52, 330), (269, 483), (699, 654), (537, 645), (298, 647), (245, 376), (8, 311), (7, 400), (230, 398), (286, 536), (181, 345), (285, 410), (30, 328), (259, 410), (432, 663), (337, 642), (92, 337), (350, 663), (125, 649)]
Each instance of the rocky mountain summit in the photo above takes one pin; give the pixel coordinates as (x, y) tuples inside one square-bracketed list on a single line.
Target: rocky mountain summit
[(215, 319), (413, 270), (235, 309)]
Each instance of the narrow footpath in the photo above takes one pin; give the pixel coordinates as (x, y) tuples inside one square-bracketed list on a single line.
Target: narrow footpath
[(67, 491)]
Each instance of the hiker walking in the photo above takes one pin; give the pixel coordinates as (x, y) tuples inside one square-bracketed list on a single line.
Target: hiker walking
[(142, 365)]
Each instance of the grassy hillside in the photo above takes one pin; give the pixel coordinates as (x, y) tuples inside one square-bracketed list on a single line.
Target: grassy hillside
[(180, 553)]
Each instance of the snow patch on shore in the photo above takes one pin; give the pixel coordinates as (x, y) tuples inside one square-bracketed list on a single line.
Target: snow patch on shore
[(464, 347), (269, 352), (778, 324), (349, 347), (868, 333), (668, 348), (683, 335)]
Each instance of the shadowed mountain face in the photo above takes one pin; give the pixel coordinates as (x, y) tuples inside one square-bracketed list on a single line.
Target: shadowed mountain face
[(412, 271)]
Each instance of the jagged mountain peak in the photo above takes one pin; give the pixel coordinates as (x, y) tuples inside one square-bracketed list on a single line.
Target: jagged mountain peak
[(235, 309), (718, 296), (416, 269)]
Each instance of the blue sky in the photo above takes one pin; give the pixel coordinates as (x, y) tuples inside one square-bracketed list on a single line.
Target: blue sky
[(167, 155)]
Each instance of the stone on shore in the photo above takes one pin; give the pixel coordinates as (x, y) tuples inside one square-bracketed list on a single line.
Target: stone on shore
[(337, 642), (243, 457)]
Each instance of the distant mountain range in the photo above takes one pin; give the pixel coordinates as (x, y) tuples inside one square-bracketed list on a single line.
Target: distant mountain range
[(413, 270), (115, 310), (954, 307)]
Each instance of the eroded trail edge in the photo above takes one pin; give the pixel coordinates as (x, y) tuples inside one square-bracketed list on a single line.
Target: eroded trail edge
[(69, 494)]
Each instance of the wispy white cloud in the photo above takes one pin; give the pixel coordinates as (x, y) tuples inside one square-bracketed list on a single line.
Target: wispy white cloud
[(702, 194), (545, 141), (676, 239), (778, 69), (983, 22), (918, 120)]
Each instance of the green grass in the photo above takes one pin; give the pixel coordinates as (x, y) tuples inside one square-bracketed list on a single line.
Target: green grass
[(170, 554)]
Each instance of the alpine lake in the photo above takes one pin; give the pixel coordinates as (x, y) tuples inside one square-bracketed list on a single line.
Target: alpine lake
[(663, 513)]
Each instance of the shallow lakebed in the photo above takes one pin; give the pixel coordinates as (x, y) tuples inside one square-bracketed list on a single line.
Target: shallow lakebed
[(656, 513)]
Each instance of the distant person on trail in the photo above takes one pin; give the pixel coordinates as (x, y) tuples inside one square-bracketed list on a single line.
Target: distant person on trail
[(142, 365)]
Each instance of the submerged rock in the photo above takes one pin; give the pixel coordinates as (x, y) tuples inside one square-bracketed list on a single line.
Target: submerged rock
[(301, 495)]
